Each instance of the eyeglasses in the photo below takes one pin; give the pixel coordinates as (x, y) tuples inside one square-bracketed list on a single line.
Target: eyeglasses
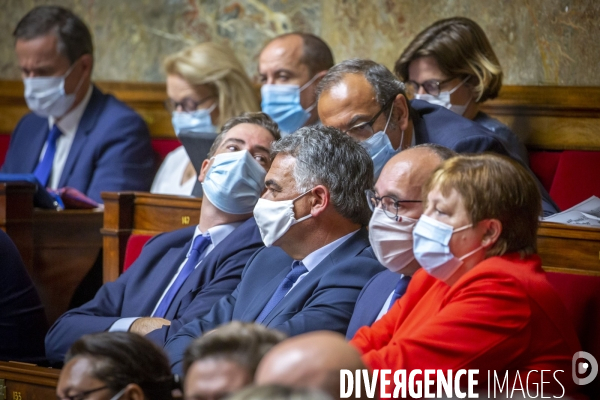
[(364, 130), (388, 204), (82, 395), (187, 105), (431, 86)]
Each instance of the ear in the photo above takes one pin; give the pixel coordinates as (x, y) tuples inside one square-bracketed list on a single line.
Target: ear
[(401, 111), (133, 392), (87, 63), (493, 229), (204, 169), (319, 200)]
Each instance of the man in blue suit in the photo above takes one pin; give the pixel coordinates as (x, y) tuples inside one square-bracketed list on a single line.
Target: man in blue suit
[(312, 219), (22, 318), (365, 100), (180, 275), (397, 205), (76, 136)]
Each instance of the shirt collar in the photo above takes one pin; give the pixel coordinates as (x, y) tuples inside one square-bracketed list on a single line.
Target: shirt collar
[(69, 122), (315, 258), (217, 233)]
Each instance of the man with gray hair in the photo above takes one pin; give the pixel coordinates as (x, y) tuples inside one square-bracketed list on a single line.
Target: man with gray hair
[(366, 101), (317, 258)]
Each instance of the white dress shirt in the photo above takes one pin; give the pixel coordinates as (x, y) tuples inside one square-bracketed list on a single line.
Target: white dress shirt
[(68, 125), (315, 258), (386, 305), (217, 235), (168, 177)]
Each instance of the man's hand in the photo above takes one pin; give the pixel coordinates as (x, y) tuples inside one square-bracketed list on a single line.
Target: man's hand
[(142, 326)]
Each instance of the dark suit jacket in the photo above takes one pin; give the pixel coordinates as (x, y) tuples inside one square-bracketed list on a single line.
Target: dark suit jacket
[(111, 150), (22, 319), (324, 299), (371, 299), (137, 291), (436, 124)]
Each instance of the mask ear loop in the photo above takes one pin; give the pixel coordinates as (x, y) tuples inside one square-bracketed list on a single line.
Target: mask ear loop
[(307, 84)]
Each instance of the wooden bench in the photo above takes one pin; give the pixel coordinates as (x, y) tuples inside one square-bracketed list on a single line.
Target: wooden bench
[(19, 381), (57, 247)]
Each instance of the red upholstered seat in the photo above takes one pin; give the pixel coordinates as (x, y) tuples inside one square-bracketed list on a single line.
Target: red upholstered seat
[(162, 147), (4, 141), (135, 243), (581, 296), (577, 178), (543, 164)]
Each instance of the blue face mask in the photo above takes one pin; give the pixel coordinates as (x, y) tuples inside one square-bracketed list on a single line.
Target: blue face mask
[(431, 240), (380, 148), (282, 103), (198, 121), (234, 182)]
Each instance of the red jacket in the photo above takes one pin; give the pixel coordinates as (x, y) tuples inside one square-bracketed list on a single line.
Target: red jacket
[(503, 315)]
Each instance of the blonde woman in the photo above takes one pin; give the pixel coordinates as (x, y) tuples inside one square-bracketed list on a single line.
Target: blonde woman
[(207, 86), (452, 64)]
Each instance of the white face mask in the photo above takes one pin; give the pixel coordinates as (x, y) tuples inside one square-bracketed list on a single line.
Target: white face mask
[(392, 241), (443, 99), (46, 96), (431, 247), (275, 218)]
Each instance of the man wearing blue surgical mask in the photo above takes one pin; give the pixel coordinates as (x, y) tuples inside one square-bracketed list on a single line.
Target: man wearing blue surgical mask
[(290, 67), (76, 136), (366, 101), (179, 275)]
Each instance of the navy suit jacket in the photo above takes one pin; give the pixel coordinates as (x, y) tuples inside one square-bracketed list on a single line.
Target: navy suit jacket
[(436, 124), (137, 291), (111, 150), (323, 299), (22, 319), (371, 299)]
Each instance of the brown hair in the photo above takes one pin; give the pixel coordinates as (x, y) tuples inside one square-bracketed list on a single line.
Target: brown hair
[(316, 54), (461, 49), (494, 186)]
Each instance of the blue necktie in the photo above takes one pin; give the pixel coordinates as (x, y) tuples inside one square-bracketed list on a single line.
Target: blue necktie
[(200, 244), (44, 167), (400, 289), (297, 269)]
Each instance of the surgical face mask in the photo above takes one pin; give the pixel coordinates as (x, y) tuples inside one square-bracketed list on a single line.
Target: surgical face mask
[(443, 99), (275, 218), (380, 148), (46, 96), (432, 250), (391, 240), (282, 103), (234, 182), (198, 121)]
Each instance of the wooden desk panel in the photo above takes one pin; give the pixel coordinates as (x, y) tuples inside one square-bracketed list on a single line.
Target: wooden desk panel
[(28, 382)]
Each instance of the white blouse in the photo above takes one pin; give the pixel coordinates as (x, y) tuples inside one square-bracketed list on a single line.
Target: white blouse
[(168, 177)]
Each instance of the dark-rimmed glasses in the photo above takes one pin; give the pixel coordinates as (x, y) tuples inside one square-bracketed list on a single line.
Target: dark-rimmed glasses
[(431, 86), (82, 395), (389, 204), (364, 130), (187, 105)]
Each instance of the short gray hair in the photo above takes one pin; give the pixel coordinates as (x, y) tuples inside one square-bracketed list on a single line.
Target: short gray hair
[(382, 80), (442, 152), (325, 156)]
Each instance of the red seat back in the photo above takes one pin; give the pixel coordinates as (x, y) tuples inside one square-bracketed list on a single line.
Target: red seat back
[(581, 296), (163, 146), (4, 141), (544, 164), (577, 178), (135, 243)]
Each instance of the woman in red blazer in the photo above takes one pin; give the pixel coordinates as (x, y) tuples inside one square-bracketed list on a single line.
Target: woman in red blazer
[(481, 300)]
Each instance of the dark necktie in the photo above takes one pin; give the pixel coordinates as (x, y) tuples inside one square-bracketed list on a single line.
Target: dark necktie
[(400, 289), (297, 269), (44, 167), (200, 244)]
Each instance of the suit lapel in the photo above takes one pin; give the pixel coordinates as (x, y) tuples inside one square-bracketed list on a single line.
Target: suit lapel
[(86, 124), (32, 157)]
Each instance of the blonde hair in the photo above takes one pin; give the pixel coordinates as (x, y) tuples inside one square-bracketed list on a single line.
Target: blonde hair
[(461, 49), (217, 66), (494, 187)]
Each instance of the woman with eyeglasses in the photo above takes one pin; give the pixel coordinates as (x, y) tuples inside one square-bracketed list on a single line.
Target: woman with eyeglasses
[(481, 300), (115, 366), (207, 86), (452, 64)]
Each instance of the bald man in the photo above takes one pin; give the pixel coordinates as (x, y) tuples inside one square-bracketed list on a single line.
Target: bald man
[(396, 204), (312, 360), (290, 67)]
